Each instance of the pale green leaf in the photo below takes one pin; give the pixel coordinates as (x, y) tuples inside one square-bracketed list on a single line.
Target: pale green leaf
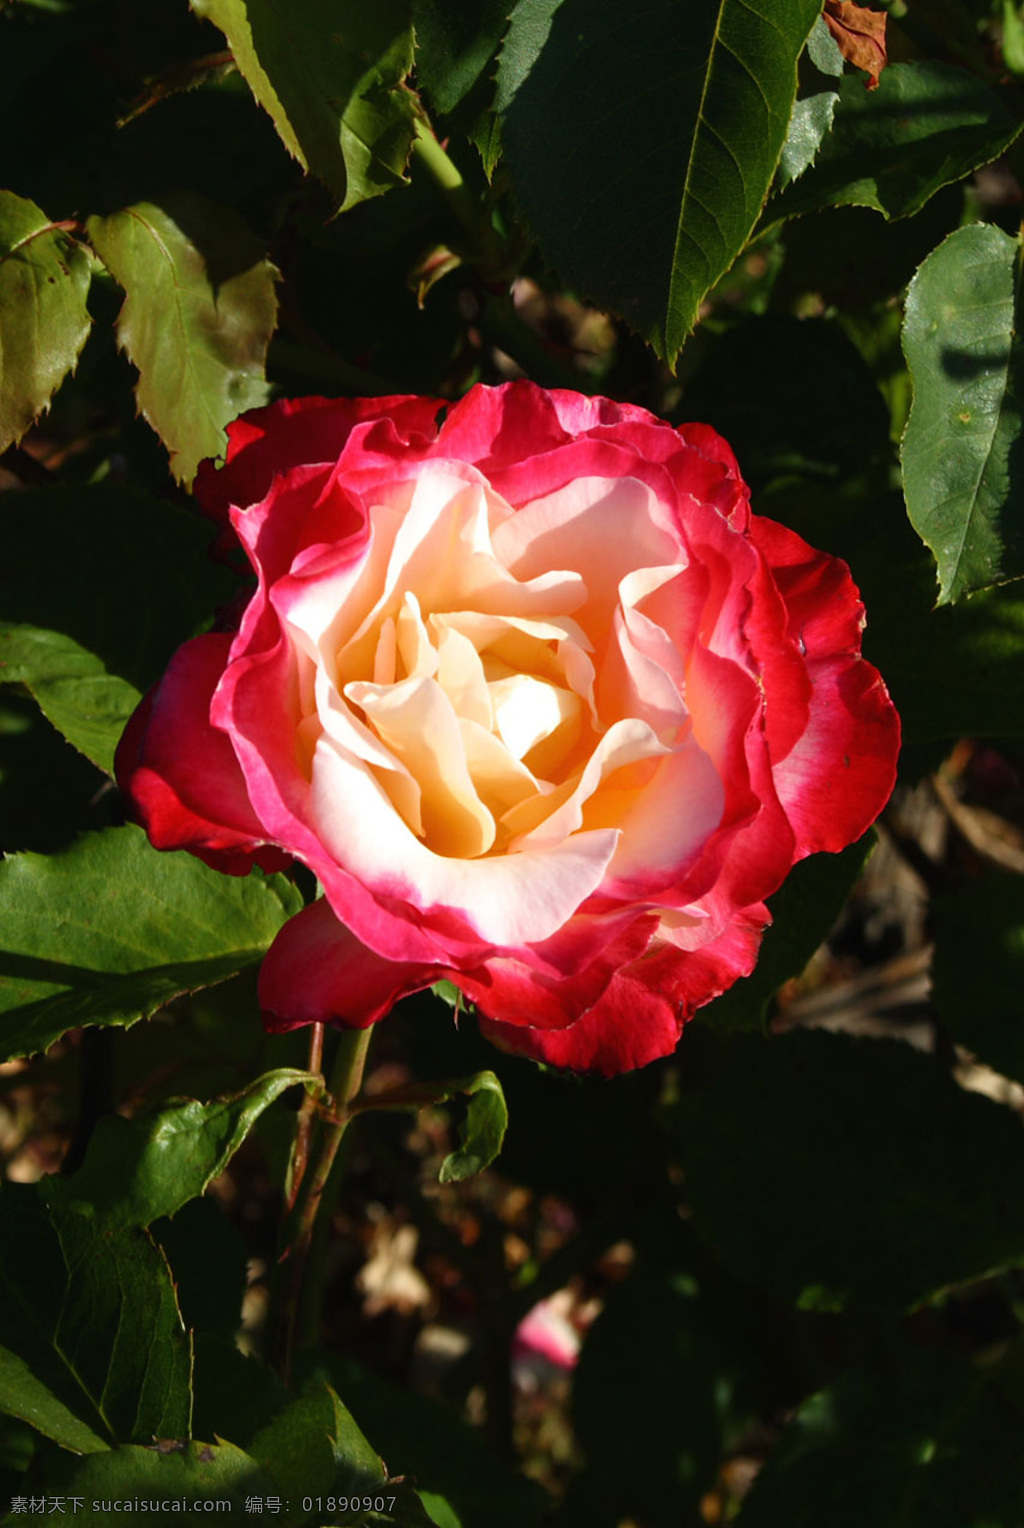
[(199, 311), (44, 281)]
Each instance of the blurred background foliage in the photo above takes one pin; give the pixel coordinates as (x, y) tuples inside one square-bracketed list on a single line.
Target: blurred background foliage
[(788, 1260)]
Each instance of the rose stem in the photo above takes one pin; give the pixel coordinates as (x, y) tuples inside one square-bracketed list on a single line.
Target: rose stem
[(448, 178), (304, 1124), (346, 1078)]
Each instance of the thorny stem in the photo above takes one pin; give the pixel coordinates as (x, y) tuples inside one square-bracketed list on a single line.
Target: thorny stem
[(321, 1152)]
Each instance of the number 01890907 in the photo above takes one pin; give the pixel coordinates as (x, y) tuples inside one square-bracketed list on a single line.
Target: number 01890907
[(348, 1503)]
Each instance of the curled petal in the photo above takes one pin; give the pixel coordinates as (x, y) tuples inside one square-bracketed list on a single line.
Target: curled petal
[(182, 774), (318, 972)]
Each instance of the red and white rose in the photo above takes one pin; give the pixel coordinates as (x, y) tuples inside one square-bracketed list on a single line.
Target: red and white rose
[(545, 708)]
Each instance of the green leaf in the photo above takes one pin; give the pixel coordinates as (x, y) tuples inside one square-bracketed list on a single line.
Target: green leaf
[(425, 1439), (85, 703), (791, 395), (199, 311), (109, 931), (804, 910), (25, 1396), (98, 586), (454, 44), (208, 1259), (93, 1317), (137, 1170), (315, 1449), (481, 1131), (33, 1284), (885, 1182), (234, 1395), (332, 78), (978, 969), (1013, 37), (935, 1440), (892, 148), (815, 106), (172, 1470), (665, 127), (44, 281), (963, 448), (120, 1329), (959, 674)]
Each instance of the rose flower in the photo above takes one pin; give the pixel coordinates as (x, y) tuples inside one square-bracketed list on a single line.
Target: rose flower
[(545, 708)]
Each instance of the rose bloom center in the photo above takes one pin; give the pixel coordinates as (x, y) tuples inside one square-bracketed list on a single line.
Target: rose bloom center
[(461, 665)]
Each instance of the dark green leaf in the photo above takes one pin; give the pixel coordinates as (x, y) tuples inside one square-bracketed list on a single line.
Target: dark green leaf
[(98, 586), (170, 1470), (94, 1319), (892, 148), (790, 395), (50, 792), (208, 1260), (804, 910), (74, 690), (44, 281), (424, 1439), (314, 1448), (24, 1395), (109, 931), (199, 311), (235, 1395), (481, 1131), (37, 1383), (333, 81), (120, 1330), (935, 1442), (954, 671), (959, 674), (854, 260), (978, 969), (455, 41), (642, 146), (963, 450), (138, 1170), (884, 1182)]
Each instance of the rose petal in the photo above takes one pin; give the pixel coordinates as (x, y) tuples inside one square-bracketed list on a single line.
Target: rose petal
[(183, 775), (317, 972)]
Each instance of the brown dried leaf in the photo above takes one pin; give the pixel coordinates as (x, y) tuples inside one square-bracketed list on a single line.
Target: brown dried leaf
[(860, 34)]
